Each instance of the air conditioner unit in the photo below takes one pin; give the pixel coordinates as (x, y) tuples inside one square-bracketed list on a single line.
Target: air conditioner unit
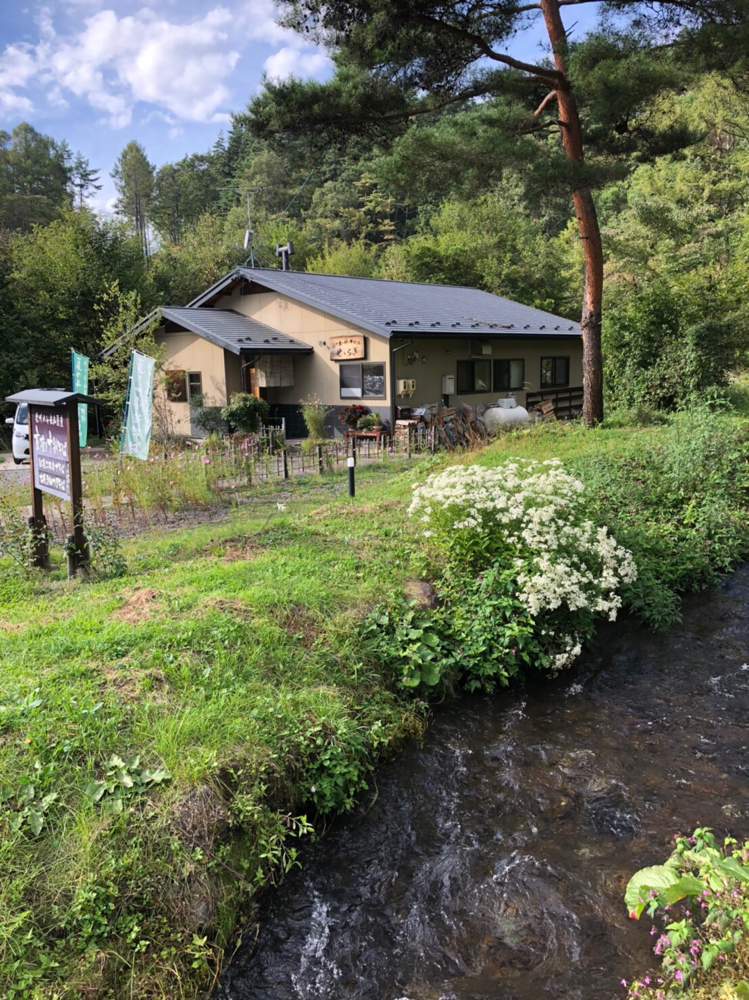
[(481, 348), (406, 386)]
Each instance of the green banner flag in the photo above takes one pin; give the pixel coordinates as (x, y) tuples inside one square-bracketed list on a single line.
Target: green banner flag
[(80, 384), (136, 425)]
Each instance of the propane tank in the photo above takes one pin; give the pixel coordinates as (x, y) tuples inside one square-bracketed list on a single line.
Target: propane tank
[(505, 413)]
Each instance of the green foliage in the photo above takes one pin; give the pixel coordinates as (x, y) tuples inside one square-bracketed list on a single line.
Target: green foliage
[(313, 413), (107, 561), (35, 174), (680, 508), (58, 295), (122, 330), (699, 902), (120, 780), (245, 412), (209, 419)]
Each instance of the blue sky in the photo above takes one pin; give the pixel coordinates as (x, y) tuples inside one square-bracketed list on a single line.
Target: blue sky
[(102, 72)]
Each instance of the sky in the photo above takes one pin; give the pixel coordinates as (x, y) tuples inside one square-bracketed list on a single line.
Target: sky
[(100, 73)]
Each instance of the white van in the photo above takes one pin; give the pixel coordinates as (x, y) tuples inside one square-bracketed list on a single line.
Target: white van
[(20, 425)]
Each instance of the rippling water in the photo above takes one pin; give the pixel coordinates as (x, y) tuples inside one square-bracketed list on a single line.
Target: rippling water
[(493, 861)]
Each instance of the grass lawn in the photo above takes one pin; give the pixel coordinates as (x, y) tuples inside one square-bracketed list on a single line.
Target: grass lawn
[(166, 736)]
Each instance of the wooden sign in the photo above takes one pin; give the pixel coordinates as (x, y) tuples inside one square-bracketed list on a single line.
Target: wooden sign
[(352, 347), (50, 450)]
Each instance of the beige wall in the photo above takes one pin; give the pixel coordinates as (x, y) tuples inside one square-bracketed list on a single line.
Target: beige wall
[(442, 357), (191, 353), (314, 373)]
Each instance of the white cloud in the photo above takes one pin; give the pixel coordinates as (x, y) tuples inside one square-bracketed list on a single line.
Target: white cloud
[(290, 61), (182, 69), (175, 132)]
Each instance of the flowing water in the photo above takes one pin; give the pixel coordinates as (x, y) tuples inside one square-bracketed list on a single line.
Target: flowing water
[(494, 858)]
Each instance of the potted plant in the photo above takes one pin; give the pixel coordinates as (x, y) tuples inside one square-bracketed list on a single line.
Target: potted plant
[(352, 414)]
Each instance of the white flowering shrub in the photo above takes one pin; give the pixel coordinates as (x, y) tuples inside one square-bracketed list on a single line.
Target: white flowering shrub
[(526, 521)]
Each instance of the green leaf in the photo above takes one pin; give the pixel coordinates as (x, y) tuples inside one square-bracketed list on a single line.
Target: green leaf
[(26, 795), (742, 991), (35, 821), (94, 790), (113, 806), (115, 762), (731, 867), (708, 956), (155, 777), (658, 878), (688, 885), (430, 673)]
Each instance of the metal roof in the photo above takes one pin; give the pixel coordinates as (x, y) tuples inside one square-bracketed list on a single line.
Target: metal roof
[(50, 397), (402, 307), (230, 329)]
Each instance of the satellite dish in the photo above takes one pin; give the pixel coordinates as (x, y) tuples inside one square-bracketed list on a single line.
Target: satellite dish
[(246, 238)]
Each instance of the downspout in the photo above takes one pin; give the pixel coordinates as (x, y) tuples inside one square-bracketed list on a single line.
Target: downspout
[(393, 351)]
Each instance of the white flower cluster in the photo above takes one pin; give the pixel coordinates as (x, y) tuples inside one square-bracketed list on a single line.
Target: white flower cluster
[(530, 515)]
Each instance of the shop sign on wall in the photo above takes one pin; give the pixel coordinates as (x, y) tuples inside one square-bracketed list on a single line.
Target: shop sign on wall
[(50, 450), (352, 347)]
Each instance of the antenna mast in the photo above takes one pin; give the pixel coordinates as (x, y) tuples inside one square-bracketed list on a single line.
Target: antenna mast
[(249, 233)]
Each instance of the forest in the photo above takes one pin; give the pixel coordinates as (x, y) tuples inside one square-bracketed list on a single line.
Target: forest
[(462, 195)]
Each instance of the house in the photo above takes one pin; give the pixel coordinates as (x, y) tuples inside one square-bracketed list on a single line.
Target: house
[(287, 335)]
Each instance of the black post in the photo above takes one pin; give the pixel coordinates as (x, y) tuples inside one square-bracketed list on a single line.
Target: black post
[(285, 464), (320, 463), (351, 462)]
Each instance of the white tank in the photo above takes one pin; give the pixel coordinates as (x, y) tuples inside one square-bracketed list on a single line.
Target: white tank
[(505, 413)]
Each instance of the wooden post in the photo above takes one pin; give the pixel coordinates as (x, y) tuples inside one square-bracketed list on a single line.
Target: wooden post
[(320, 463), (37, 521), (80, 542)]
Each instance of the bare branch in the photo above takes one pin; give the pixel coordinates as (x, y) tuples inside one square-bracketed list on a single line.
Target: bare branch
[(543, 72), (549, 97)]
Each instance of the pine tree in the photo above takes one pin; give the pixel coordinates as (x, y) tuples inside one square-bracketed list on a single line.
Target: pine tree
[(84, 178), (133, 176)]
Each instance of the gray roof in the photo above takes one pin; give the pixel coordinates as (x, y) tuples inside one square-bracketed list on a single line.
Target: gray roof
[(230, 329), (50, 397), (402, 307)]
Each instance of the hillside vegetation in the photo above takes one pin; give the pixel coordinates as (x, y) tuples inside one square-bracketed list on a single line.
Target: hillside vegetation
[(167, 736)]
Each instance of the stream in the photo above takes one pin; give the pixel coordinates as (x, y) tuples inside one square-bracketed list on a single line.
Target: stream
[(493, 860)]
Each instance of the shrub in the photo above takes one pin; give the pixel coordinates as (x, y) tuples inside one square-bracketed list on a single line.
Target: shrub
[(528, 516), (699, 902), (208, 418), (313, 414), (678, 505), (525, 575), (245, 412)]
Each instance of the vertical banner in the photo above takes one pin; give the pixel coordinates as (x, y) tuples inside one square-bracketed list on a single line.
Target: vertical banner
[(80, 384), (136, 427)]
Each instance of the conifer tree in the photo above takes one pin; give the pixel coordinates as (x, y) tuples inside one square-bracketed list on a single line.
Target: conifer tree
[(133, 176)]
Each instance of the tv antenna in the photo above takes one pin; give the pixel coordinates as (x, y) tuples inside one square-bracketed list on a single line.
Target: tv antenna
[(249, 232)]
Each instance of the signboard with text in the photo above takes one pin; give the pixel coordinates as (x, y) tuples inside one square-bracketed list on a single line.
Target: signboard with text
[(352, 347), (80, 384), (48, 428)]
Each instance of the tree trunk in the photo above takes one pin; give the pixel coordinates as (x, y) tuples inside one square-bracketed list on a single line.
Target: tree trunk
[(587, 223)]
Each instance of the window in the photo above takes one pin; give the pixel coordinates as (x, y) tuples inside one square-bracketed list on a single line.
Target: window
[(474, 376), (176, 386), (555, 371), (194, 384), (509, 374), (362, 381)]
